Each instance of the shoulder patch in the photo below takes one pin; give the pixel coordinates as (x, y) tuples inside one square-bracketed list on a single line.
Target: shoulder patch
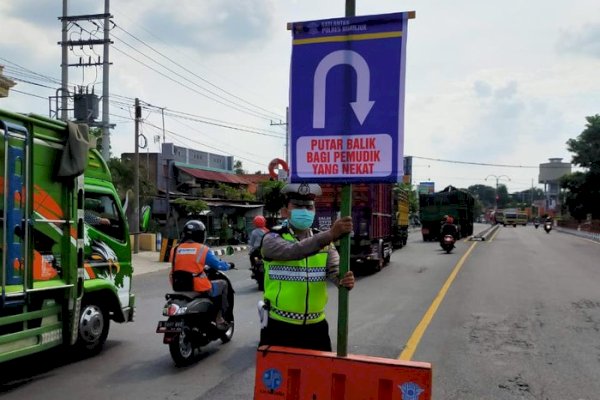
[(279, 229), (186, 250)]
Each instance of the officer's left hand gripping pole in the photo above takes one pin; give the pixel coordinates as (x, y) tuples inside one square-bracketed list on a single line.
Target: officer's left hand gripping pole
[(346, 210)]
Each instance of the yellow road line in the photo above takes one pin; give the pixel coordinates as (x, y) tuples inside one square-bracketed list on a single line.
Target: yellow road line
[(348, 38), (415, 338), (494, 235)]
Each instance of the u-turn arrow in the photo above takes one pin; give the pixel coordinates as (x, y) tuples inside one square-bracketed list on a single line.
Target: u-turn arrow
[(362, 106)]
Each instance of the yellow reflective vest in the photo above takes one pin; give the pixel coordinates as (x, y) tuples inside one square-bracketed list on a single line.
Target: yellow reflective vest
[(297, 289)]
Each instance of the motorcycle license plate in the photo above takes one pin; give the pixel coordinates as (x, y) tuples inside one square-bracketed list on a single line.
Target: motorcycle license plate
[(169, 326)]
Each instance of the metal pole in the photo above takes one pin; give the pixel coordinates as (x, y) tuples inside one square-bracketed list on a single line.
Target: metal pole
[(64, 113), (346, 210), (105, 86), (163, 123), (287, 132), (136, 180)]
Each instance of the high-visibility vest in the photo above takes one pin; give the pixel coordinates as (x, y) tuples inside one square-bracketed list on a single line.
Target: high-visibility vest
[(297, 289), (191, 257)]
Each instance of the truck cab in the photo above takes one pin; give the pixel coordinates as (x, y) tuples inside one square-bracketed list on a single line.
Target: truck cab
[(66, 255)]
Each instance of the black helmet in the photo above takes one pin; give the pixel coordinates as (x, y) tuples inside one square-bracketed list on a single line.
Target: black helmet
[(194, 230)]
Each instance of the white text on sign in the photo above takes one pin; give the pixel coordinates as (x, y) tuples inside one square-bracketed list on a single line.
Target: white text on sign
[(341, 156)]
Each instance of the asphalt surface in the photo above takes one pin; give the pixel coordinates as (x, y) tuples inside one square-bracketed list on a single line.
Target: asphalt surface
[(520, 321)]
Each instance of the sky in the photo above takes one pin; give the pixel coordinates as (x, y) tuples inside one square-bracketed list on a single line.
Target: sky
[(502, 83)]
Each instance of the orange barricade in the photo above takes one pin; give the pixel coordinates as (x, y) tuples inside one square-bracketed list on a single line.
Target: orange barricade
[(295, 374)]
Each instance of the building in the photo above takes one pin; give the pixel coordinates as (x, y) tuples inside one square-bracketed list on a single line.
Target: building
[(5, 83), (180, 172), (550, 174)]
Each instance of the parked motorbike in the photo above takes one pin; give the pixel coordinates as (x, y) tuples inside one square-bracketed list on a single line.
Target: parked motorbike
[(191, 317), (258, 269), (448, 243), (547, 227)]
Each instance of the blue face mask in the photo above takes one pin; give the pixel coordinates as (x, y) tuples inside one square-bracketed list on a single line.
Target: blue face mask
[(302, 218)]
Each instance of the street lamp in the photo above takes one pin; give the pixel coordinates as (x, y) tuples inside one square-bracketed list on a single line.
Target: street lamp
[(497, 179)]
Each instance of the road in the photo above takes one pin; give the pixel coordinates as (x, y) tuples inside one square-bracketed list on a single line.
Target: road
[(521, 320)]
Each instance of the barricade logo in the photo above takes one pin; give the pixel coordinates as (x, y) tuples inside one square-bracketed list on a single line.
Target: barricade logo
[(410, 391), (272, 379)]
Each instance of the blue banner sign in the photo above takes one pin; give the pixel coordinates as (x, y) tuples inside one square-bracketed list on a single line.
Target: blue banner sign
[(347, 99)]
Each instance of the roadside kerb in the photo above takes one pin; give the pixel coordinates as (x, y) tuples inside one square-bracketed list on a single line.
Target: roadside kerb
[(148, 261), (587, 235), (485, 234)]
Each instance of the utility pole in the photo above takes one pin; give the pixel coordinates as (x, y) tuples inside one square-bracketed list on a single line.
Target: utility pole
[(105, 86), (90, 106), (136, 180), (162, 110), (287, 130), (64, 67), (496, 194)]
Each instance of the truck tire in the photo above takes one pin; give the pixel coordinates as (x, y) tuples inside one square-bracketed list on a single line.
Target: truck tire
[(94, 323)]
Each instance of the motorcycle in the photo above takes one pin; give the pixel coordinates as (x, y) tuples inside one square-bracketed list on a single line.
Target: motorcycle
[(448, 243), (547, 227), (191, 317), (537, 225), (258, 269)]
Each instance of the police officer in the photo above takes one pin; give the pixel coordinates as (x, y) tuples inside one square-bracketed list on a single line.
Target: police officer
[(192, 255), (298, 263)]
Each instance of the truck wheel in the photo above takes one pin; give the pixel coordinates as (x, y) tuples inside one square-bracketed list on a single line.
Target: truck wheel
[(93, 327), (377, 265)]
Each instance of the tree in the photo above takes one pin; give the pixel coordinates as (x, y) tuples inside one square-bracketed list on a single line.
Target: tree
[(273, 198), (485, 194), (583, 188), (122, 175), (238, 168)]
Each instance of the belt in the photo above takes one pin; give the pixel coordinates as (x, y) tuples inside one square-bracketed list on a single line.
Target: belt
[(297, 316)]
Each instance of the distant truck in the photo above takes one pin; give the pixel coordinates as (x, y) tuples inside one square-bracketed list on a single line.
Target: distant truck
[(401, 218), (451, 201), (373, 217), (66, 254)]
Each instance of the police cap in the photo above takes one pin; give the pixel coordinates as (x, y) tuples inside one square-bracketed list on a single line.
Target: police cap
[(301, 193)]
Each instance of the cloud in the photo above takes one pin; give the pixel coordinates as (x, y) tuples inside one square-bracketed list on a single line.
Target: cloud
[(586, 41), (45, 13), (482, 89), (213, 26)]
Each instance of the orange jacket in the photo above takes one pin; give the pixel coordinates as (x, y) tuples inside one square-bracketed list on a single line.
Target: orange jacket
[(191, 257)]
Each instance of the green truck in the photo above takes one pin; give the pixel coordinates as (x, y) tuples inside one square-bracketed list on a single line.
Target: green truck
[(66, 254), (451, 201)]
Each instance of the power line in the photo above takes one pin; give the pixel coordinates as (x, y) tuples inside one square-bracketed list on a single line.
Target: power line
[(224, 125), (233, 105), (197, 142), (29, 94), (481, 163), (196, 75)]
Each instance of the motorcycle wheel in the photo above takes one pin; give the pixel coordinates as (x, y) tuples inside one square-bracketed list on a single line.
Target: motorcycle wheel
[(181, 349), (228, 334)]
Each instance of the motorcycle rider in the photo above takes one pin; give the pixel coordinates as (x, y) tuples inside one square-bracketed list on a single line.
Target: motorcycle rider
[(298, 261), (256, 236), (448, 228), (192, 255)]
